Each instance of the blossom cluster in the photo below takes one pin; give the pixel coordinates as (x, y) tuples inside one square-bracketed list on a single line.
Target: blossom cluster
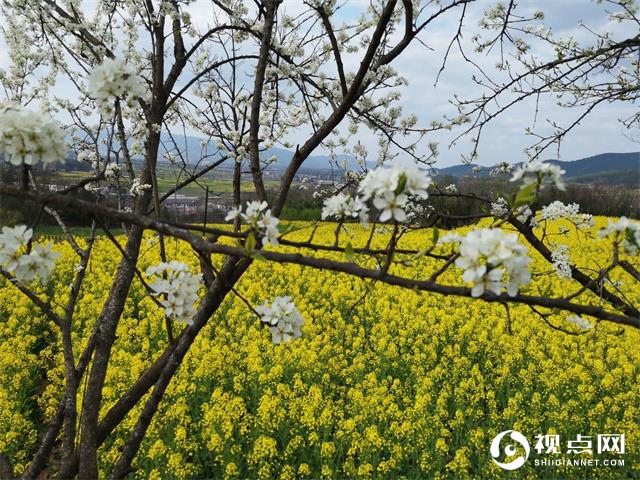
[(111, 171), (344, 205), (284, 320), (25, 266), (540, 173), (579, 322), (114, 78), (258, 216), (136, 189), (393, 190), (628, 229), (524, 213), (28, 138), (500, 208), (501, 169), (561, 261), (557, 210), (487, 256), (179, 287)]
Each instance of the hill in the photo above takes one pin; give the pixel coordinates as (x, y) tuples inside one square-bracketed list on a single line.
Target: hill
[(609, 168), (605, 168), (193, 148)]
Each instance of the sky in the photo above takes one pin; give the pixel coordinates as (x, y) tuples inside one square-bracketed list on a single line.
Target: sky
[(504, 139)]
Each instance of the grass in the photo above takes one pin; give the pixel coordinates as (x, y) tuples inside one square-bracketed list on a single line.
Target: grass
[(167, 181)]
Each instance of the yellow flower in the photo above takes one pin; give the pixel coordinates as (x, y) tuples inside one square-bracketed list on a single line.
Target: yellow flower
[(398, 384), (231, 470), (304, 470)]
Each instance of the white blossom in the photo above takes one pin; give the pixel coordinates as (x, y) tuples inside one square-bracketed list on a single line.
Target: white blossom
[(492, 260), (541, 173), (114, 78), (342, 205), (179, 288), (27, 269), (579, 322), (379, 181), (501, 169), (38, 264), (284, 320), (27, 137), (393, 188), (14, 238), (629, 230), (417, 180), (268, 224), (557, 210), (253, 212), (259, 216), (524, 213), (587, 221), (561, 261), (451, 237), (392, 206), (11, 240), (89, 187), (137, 188), (414, 210), (111, 171), (233, 214), (499, 208)]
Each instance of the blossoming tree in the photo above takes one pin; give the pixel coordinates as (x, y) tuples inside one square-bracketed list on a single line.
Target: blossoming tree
[(141, 70)]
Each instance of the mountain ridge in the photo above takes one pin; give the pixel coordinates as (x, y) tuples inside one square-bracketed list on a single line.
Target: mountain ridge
[(611, 168), (607, 168)]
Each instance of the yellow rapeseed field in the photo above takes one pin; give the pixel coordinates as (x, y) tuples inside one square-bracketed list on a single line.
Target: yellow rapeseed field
[(398, 384)]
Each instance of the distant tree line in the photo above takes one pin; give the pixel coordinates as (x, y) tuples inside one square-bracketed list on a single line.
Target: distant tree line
[(595, 199)]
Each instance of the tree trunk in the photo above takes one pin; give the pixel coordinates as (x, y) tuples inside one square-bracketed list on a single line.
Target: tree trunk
[(107, 325)]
